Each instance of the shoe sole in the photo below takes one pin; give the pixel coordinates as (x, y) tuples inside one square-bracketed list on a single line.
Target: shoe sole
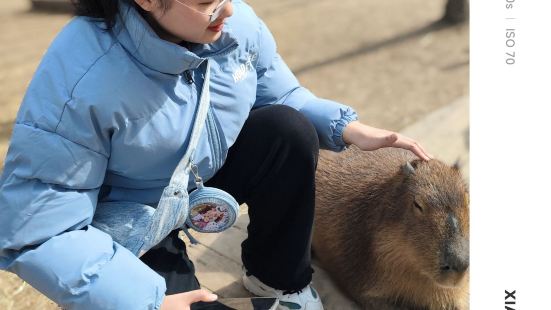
[(256, 291), (259, 292)]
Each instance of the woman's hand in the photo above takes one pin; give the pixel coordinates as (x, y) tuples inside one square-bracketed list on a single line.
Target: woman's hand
[(183, 301), (369, 138)]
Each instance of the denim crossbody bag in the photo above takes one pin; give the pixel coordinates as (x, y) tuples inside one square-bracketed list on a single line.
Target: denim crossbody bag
[(139, 227)]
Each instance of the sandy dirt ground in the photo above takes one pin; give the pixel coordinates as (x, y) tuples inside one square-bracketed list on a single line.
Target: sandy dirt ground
[(389, 60)]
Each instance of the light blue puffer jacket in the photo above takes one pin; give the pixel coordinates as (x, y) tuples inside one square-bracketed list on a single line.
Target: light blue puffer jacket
[(111, 113)]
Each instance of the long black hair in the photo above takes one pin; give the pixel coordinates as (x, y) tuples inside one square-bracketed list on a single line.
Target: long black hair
[(105, 9)]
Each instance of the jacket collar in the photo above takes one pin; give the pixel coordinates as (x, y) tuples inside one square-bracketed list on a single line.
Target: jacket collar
[(141, 41)]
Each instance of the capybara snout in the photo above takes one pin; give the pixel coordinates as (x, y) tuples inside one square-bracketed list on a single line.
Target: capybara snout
[(391, 227), (456, 256)]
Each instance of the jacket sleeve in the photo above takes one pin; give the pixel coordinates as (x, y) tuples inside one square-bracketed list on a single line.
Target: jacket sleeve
[(48, 193), (278, 85)]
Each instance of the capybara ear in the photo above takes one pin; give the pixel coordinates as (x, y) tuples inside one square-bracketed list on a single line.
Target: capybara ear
[(457, 164), (408, 169)]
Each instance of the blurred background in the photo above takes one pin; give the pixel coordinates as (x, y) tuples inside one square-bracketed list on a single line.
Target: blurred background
[(396, 62)]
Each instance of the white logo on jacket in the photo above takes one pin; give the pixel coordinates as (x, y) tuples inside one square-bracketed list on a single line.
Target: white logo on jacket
[(243, 70)]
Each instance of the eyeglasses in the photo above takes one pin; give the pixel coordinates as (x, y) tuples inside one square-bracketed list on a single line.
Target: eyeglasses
[(215, 13)]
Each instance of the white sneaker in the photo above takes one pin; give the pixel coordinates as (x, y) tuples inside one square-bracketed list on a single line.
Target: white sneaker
[(304, 299)]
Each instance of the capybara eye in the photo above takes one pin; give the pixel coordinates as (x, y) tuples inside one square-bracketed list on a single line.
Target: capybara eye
[(418, 206)]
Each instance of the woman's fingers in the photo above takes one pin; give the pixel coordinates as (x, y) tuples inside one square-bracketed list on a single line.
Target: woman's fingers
[(429, 155), (183, 301), (414, 147), (200, 295), (417, 150), (370, 138)]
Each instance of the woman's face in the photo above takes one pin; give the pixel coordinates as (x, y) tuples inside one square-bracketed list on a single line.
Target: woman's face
[(182, 20)]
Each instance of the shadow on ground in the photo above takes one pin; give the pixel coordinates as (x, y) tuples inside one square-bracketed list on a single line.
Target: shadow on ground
[(373, 47)]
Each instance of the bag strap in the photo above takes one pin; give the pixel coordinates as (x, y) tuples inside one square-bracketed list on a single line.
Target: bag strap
[(180, 176), (171, 212)]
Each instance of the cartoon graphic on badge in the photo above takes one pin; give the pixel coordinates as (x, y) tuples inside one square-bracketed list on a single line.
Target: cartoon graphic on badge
[(209, 217)]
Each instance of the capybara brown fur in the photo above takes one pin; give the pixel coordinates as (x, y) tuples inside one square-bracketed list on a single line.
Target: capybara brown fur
[(393, 230)]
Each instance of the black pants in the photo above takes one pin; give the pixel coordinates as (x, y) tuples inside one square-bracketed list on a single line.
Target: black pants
[(271, 167)]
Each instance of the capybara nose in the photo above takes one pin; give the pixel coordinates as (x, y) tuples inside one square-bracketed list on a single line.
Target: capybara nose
[(456, 257), (455, 262), (455, 265)]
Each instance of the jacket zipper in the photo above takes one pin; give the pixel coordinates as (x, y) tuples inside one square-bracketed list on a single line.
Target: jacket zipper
[(188, 77)]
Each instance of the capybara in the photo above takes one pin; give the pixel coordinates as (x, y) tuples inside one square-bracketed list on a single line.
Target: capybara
[(393, 230)]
